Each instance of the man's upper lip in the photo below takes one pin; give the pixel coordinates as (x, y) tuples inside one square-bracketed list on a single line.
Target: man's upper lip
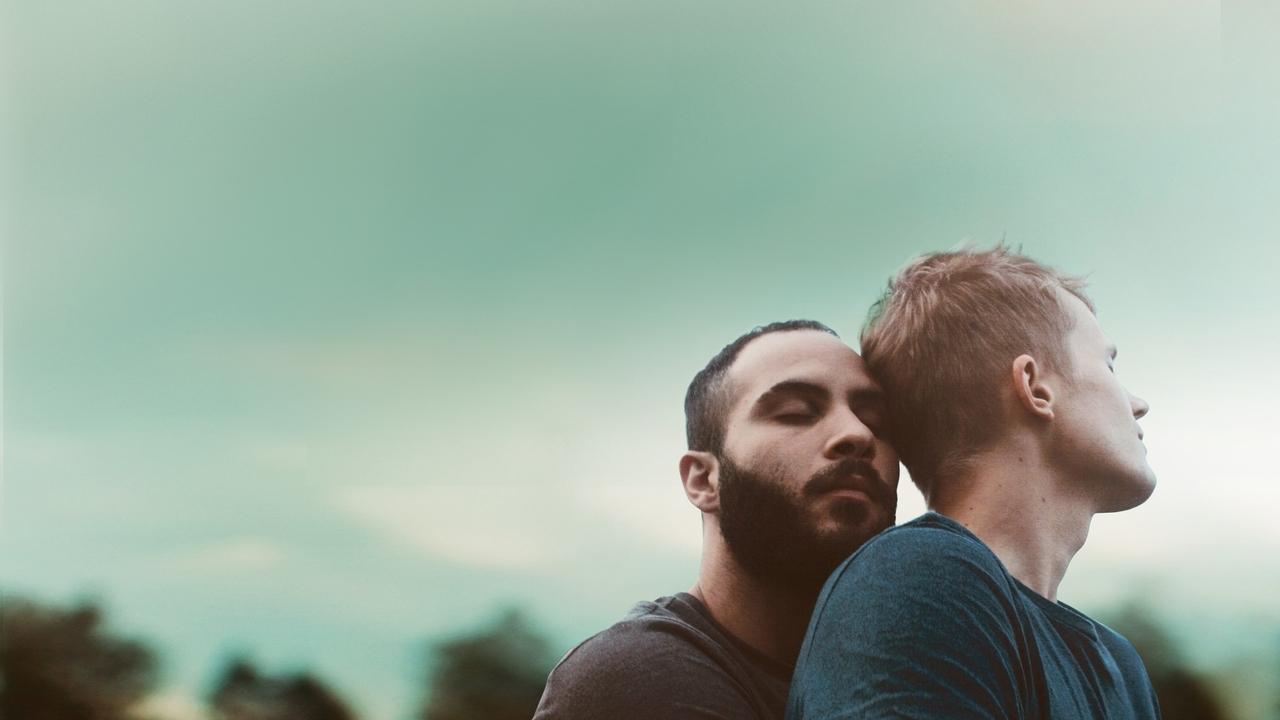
[(850, 485), (860, 481)]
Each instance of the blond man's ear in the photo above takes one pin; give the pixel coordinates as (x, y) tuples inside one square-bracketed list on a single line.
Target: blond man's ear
[(700, 475), (1032, 388)]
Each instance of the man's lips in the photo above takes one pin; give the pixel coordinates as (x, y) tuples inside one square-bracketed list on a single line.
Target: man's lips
[(847, 492), (852, 478)]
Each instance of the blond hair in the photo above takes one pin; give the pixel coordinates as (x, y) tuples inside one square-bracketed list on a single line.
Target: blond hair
[(941, 341)]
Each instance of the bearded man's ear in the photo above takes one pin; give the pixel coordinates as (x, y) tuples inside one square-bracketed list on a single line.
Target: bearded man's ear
[(700, 475)]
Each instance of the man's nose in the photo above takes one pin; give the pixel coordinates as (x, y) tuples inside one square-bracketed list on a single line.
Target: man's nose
[(852, 438), (1140, 406)]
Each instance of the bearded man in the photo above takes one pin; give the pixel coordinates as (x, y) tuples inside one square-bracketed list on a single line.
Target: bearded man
[(786, 464)]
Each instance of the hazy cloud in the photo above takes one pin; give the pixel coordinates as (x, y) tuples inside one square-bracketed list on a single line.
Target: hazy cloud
[(233, 556), (496, 526)]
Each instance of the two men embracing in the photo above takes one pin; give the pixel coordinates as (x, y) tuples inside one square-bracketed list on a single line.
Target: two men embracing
[(988, 374)]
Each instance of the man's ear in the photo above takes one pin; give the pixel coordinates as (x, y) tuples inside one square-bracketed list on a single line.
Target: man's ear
[(1031, 387), (700, 475)]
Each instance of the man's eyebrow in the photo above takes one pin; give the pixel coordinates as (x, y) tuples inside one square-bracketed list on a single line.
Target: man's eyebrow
[(814, 391), (1113, 351), (799, 388)]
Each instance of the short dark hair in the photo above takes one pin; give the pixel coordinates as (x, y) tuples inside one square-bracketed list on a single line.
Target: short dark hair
[(706, 401)]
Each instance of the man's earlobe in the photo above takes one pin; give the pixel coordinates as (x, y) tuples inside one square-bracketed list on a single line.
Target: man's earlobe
[(1031, 387), (700, 475)]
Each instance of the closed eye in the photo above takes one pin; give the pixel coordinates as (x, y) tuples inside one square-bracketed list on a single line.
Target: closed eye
[(793, 402), (870, 414)]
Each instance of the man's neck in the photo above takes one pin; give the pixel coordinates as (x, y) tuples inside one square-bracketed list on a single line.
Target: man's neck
[(1018, 506), (766, 618)]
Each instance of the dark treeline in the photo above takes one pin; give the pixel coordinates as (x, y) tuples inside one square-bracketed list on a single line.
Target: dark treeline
[(62, 665), (65, 664), (1184, 694), (245, 693), (497, 673)]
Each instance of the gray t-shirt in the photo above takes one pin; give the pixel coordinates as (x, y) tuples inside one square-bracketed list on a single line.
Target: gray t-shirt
[(666, 660), (925, 622)]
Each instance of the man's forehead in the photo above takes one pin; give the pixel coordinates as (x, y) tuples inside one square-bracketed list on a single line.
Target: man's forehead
[(806, 355)]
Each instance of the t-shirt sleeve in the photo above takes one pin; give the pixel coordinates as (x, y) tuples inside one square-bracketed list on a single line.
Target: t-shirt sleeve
[(642, 670), (1131, 674), (920, 623)]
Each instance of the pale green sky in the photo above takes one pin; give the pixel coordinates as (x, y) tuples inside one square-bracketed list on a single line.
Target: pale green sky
[(330, 328)]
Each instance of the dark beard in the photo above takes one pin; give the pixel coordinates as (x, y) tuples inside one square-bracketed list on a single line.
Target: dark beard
[(767, 532)]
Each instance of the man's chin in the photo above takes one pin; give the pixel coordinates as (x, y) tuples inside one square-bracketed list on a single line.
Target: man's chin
[(852, 532), (856, 517), (1131, 493)]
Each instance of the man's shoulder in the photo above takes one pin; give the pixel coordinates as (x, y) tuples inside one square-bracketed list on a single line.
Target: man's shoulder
[(930, 532), (1122, 650), (904, 579), (651, 630), (661, 657), (902, 614), (932, 545)]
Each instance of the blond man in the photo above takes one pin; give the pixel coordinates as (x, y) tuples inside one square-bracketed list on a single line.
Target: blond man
[(1003, 403)]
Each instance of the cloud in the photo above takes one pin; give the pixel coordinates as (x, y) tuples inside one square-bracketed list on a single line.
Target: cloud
[(233, 556), (494, 526), (532, 524), (525, 495), (656, 515)]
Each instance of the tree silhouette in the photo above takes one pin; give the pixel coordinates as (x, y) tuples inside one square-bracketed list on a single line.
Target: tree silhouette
[(244, 693), (1184, 694), (1275, 685), (60, 664), (496, 674)]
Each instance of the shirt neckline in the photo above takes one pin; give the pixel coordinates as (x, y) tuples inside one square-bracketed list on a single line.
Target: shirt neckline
[(1057, 611)]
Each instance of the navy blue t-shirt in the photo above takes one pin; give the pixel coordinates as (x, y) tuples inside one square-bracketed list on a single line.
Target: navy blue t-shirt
[(925, 622)]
